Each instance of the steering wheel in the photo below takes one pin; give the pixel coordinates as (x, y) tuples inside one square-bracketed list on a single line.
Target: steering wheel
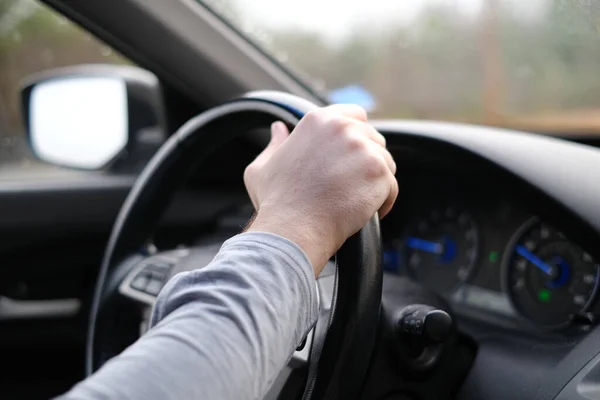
[(340, 358)]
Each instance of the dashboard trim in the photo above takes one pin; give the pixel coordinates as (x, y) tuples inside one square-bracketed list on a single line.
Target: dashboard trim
[(536, 159)]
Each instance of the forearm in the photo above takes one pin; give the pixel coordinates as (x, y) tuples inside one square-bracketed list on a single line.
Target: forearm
[(221, 332)]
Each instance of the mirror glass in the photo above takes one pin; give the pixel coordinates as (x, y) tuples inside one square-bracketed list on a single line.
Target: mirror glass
[(78, 122)]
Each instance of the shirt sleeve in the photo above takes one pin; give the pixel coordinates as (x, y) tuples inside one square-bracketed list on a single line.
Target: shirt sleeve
[(220, 332)]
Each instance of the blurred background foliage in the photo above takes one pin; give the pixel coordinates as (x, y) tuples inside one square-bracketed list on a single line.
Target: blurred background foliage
[(530, 64), (499, 66)]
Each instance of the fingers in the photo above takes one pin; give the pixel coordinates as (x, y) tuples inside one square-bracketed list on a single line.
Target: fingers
[(391, 199), (389, 178), (389, 160), (358, 113), (349, 110), (377, 144), (375, 136), (384, 154), (372, 134)]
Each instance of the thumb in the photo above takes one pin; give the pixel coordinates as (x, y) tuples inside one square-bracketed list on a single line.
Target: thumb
[(279, 132)]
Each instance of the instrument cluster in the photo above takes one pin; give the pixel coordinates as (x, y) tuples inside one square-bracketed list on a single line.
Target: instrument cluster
[(490, 258)]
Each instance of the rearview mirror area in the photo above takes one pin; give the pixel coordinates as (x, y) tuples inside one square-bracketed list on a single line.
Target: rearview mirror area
[(88, 117)]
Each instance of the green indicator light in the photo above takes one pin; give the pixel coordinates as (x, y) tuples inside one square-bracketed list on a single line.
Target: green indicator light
[(544, 295), (493, 257)]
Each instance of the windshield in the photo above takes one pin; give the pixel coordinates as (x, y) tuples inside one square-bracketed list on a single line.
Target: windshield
[(532, 64)]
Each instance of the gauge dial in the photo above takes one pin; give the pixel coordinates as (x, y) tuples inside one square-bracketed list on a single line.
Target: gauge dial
[(548, 278), (441, 249)]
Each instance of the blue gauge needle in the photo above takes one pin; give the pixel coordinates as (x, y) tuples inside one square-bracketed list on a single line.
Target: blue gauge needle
[(535, 260), (425, 245)]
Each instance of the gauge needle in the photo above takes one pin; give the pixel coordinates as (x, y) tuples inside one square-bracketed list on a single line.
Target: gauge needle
[(425, 245), (535, 260)]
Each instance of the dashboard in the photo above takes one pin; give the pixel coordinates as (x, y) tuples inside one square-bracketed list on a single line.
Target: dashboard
[(479, 242)]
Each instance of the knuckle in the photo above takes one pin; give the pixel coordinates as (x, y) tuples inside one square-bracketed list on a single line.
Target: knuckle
[(312, 115), (360, 111), (338, 127), (339, 123), (355, 143), (313, 119), (352, 109), (374, 166)]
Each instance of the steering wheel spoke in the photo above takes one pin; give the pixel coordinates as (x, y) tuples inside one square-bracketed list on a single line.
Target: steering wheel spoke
[(301, 355), (146, 280)]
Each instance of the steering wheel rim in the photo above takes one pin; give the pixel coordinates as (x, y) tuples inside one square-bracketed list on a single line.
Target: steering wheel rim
[(348, 345)]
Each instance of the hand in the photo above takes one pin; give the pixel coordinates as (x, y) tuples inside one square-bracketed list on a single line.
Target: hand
[(321, 184)]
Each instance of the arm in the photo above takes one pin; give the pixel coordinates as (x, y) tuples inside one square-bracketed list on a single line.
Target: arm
[(221, 332), (226, 331)]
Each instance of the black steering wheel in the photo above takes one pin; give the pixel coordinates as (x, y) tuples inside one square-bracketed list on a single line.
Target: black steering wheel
[(339, 360)]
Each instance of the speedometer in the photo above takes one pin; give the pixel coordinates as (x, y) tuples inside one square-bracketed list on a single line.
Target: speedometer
[(548, 278), (442, 248)]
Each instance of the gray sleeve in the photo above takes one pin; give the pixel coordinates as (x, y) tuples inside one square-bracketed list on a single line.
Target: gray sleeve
[(220, 332)]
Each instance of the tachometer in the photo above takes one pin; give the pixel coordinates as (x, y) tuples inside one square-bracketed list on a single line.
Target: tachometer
[(441, 249), (548, 278)]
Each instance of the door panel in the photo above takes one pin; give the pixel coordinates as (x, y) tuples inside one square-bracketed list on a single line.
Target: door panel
[(53, 235)]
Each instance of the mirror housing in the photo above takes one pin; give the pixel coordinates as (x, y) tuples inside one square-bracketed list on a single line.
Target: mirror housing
[(94, 117)]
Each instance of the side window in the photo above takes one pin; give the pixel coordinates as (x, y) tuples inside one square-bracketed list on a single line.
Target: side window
[(34, 38)]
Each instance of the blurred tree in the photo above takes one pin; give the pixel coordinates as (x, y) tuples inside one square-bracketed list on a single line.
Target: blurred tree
[(493, 62), (32, 39), (531, 64), (508, 63)]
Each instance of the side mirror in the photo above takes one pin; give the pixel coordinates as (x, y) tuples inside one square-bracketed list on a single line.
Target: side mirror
[(90, 116)]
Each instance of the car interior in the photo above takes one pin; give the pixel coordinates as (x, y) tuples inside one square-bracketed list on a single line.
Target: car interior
[(482, 283)]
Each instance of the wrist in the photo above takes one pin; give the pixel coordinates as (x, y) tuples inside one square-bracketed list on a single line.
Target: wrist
[(311, 237)]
